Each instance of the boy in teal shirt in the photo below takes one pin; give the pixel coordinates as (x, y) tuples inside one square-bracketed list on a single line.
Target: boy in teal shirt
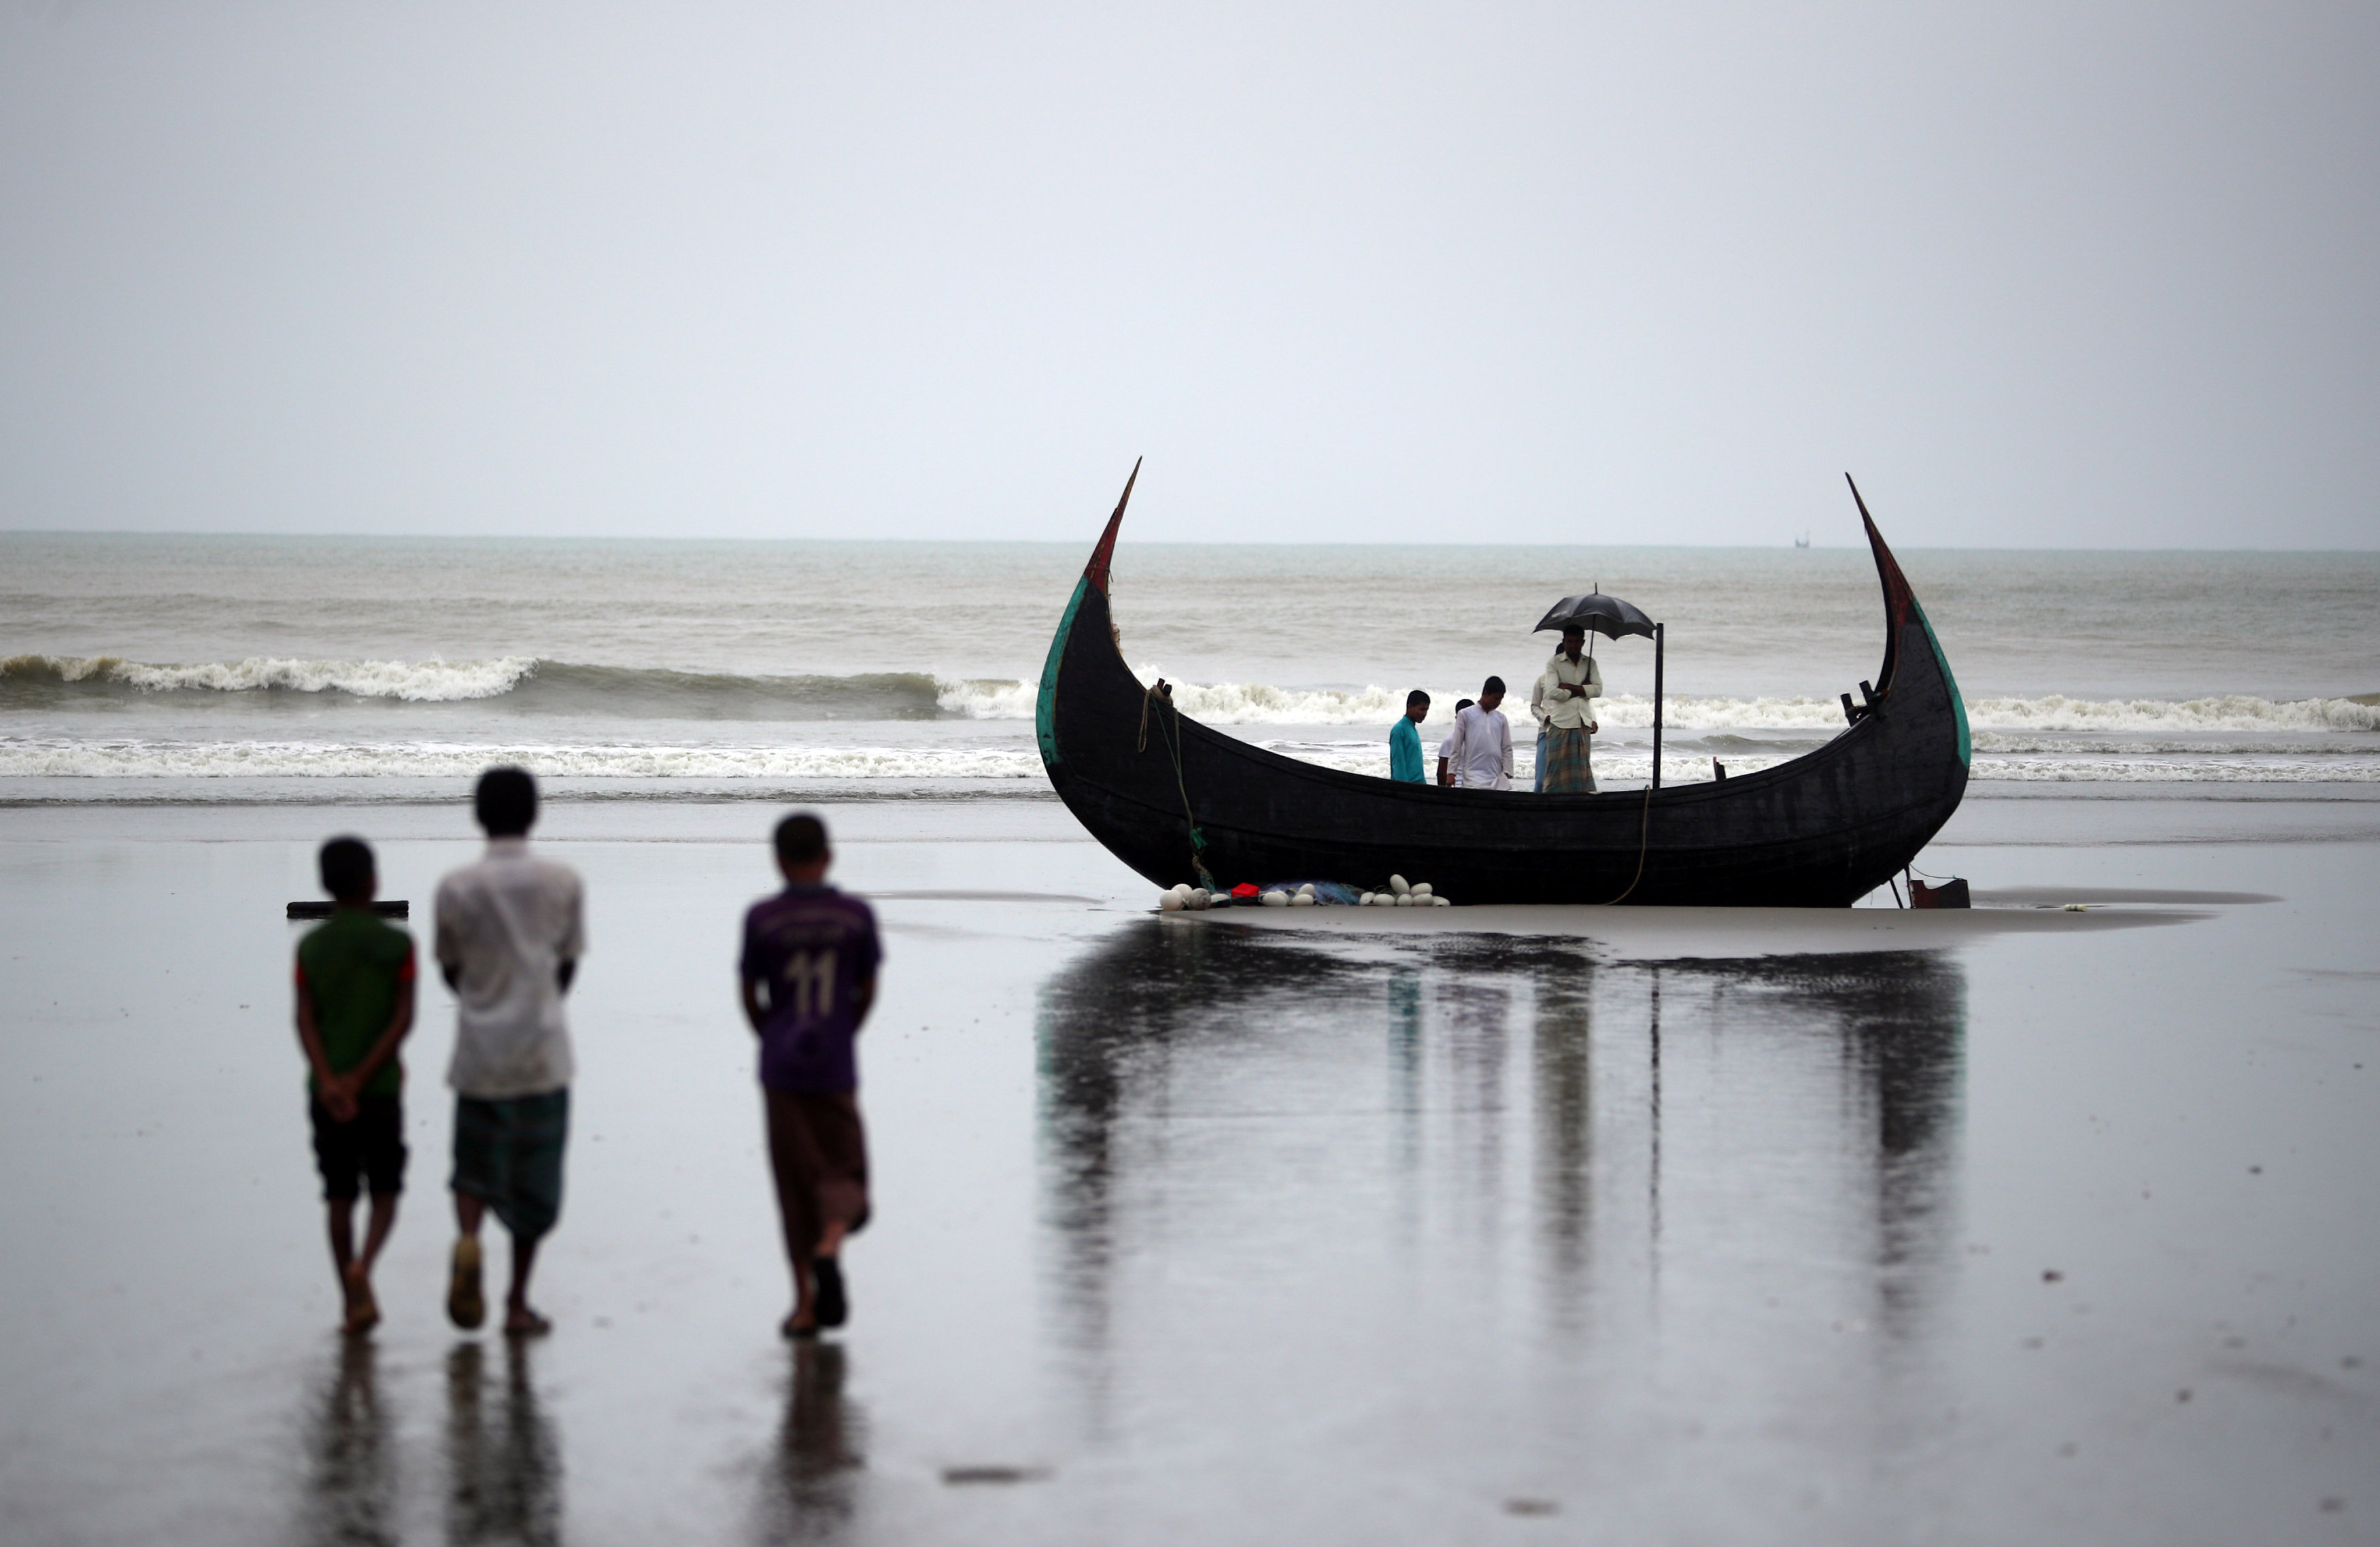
[(1405, 741), (354, 1005)]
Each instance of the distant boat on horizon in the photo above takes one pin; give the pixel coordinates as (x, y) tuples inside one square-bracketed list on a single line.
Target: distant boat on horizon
[(1803, 541)]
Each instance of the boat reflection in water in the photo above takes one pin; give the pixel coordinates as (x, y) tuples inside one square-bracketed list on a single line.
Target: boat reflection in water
[(1502, 1203)]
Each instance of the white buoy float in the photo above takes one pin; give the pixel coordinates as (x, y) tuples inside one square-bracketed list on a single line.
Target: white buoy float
[(1276, 899), (1397, 884)]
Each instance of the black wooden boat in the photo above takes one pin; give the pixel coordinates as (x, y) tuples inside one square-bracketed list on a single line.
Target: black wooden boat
[(1180, 802)]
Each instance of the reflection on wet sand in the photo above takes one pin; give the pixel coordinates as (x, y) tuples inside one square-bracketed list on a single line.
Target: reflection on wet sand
[(503, 1464), (1111, 1028), (1866, 1051), (350, 1493), (1669, 1131), (808, 1487)]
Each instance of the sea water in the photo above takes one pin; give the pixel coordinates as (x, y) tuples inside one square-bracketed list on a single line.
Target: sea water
[(1734, 1225), (210, 667)]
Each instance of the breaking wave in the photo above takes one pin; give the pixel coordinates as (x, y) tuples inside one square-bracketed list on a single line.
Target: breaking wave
[(44, 758), (2053, 713), (2056, 712), (130, 759), (527, 685), (532, 687), (31, 677)]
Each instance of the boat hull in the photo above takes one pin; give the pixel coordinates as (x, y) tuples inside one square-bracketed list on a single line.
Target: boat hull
[(1178, 801)]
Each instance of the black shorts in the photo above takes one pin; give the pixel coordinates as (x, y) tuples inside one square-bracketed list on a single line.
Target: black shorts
[(370, 1145)]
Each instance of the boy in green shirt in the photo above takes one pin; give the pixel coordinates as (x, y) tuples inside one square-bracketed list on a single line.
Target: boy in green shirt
[(354, 1005), (1405, 741)]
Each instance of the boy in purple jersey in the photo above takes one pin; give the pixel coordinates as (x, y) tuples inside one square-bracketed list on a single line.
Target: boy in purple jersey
[(809, 976)]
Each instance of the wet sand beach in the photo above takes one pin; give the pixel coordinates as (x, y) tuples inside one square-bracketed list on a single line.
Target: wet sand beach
[(1494, 1224)]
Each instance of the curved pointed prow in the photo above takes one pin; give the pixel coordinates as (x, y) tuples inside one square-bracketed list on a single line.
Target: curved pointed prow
[(1898, 598), (1096, 570), (1901, 606)]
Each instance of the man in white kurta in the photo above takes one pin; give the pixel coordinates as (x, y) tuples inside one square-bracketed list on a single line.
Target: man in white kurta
[(1477, 754)]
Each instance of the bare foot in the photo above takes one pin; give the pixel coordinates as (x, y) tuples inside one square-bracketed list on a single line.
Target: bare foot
[(521, 1321), (798, 1326), (465, 1305), (363, 1311)]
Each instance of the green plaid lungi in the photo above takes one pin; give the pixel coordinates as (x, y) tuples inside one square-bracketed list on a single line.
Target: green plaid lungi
[(508, 1154), (1568, 770)]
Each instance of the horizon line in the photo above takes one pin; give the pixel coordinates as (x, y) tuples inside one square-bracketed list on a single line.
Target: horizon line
[(481, 538)]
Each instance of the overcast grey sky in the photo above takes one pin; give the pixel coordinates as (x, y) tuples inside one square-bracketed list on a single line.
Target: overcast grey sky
[(2056, 274)]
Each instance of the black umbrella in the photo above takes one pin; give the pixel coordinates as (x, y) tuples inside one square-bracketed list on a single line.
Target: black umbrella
[(1607, 615)]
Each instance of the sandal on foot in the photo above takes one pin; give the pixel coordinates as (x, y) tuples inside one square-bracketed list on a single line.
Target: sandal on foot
[(465, 1305), (363, 1311), (833, 1306)]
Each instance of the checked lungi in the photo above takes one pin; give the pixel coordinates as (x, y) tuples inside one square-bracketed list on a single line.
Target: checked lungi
[(508, 1154), (1568, 768)]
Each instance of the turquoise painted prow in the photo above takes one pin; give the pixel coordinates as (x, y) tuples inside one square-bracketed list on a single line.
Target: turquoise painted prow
[(1958, 704), (1045, 707)]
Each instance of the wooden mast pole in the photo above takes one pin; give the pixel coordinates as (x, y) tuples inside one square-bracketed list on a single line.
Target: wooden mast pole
[(1656, 706)]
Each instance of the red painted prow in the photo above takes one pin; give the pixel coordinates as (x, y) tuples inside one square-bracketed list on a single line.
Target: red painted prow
[(1897, 595), (1096, 570)]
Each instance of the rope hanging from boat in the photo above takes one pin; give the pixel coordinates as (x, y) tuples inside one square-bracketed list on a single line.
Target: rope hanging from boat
[(1173, 749), (1644, 841)]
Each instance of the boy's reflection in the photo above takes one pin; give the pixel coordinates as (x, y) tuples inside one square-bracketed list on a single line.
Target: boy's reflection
[(351, 1497), (504, 1466), (808, 1490)]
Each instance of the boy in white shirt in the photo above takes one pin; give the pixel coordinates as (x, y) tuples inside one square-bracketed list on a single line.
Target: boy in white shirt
[(510, 932)]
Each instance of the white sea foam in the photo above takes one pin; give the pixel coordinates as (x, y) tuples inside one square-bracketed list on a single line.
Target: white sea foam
[(414, 681), (2019, 743), (1257, 704), (2126, 771), (2053, 713), (593, 689), (2056, 712), (1225, 703), (2128, 764), (986, 699), (32, 756)]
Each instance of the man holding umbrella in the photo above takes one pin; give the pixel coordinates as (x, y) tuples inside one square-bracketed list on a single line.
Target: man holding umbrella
[(1559, 705), (1560, 698)]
